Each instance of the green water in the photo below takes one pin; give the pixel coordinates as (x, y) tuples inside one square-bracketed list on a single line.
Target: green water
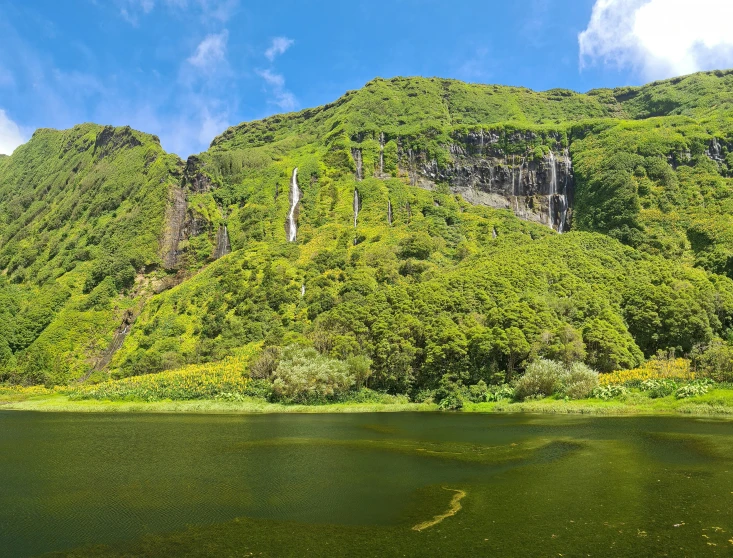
[(355, 485)]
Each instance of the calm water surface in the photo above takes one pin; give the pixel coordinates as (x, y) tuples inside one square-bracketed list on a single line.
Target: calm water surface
[(346, 485)]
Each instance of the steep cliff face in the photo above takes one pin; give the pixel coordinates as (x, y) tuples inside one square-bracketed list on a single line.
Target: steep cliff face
[(495, 169), (184, 222)]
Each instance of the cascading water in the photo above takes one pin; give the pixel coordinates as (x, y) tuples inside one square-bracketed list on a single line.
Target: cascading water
[(553, 188), (356, 206), (223, 247), (294, 200), (302, 290), (389, 212)]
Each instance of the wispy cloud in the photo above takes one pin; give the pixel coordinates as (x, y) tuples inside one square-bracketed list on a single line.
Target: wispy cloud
[(210, 52), (10, 134), (278, 46), (475, 67), (275, 86), (659, 38), (220, 10)]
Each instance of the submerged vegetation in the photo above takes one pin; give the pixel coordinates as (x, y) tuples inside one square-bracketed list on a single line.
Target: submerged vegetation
[(118, 282)]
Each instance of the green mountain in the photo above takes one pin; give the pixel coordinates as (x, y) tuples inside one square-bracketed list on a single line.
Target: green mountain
[(438, 227)]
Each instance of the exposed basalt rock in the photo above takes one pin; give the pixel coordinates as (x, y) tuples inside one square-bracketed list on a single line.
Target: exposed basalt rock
[(111, 139), (175, 219), (539, 190), (194, 178), (717, 151), (222, 243), (119, 338)]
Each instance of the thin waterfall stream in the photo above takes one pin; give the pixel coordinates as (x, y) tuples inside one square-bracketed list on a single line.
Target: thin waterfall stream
[(356, 206), (294, 200)]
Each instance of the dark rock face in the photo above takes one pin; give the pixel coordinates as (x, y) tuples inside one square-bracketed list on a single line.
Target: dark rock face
[(195, 180), (535, 189), (111, 139), (222, 243), (175, 220)]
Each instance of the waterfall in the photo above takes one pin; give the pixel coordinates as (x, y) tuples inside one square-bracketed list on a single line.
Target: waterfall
[(389, 212), (553, 188), (519, 180), (223, 247), (302, 290), (493, 232), (356, 206), (294, 200)]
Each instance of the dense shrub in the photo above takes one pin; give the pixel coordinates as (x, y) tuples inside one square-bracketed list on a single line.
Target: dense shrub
[(499, 393), (542, 378), (716, 361), (609, 392), (305, 376), (580, 381), (659, 388), (694, 388)]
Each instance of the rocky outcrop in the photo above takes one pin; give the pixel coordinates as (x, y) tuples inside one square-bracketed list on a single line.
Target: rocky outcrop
[(117, 340), (175, 222), (222, 243), (194, 178), (536, 187)]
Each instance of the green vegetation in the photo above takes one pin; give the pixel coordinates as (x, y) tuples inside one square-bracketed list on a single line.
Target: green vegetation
[(447, 302)]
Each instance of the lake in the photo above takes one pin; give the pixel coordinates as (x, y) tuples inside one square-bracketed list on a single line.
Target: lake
[(402, 484)]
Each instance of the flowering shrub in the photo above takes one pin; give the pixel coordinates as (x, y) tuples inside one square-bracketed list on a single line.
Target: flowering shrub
[(654, 369), (694, 388), (223, 379), (609, 392), (659, 388)]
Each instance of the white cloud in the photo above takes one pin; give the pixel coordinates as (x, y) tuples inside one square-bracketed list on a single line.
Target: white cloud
[(659, 38), (210, 52), (280, 96), (278, 46), (221, 10), (10, 134), (271, 78)]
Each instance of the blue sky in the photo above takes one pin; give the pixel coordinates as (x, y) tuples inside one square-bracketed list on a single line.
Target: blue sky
[(187, 69)]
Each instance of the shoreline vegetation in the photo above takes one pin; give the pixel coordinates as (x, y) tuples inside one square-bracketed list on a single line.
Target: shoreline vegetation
[(662, 386), (717, 402)]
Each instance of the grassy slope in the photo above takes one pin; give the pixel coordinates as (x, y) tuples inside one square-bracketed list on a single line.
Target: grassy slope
[(75, 207)]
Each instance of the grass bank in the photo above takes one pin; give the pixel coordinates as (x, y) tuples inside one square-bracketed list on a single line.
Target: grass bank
[(717, 402)]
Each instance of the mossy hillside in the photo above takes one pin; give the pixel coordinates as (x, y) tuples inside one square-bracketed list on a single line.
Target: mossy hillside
[(81, 212), (447, 286)]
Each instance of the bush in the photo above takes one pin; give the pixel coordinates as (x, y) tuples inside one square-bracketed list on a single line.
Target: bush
[(499, 393), (542, 377), (477, 392), (305, 376), (580, 381), (693, 389), (609, 392), (450, 393), (716, 362), (659, 388), (266, 363), (424, 396)]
